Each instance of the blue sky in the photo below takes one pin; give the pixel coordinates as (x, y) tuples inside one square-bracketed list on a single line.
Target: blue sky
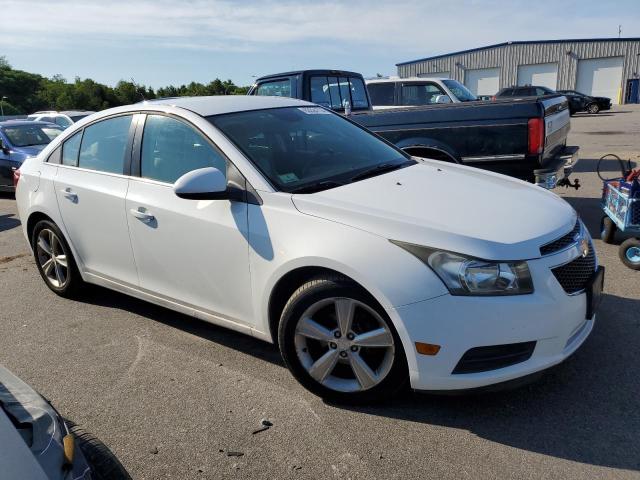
[(161, 42)]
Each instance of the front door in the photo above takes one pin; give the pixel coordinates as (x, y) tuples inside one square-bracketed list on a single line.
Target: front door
[(91, 189), (191, 251)]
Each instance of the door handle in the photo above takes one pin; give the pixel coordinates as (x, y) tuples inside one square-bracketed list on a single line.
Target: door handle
[(143, 216), (68, 193)]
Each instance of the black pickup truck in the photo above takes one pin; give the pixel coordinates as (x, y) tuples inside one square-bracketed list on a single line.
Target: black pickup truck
[(524, 138)]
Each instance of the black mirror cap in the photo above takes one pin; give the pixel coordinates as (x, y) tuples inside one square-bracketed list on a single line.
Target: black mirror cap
[(231, 193)]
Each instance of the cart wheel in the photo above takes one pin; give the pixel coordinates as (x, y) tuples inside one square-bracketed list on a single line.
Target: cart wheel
[(607, 230), (630, 253)]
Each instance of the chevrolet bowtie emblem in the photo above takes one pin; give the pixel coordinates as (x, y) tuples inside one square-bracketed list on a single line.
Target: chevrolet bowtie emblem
[(584, 247)]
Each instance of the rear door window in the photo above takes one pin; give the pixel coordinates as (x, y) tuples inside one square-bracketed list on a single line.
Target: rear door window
[(275, 88), (104, 145), (420, 94), (382, 94), (70, 150)]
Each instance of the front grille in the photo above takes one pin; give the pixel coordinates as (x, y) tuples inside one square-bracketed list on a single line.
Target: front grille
[(483, 359), (562, 242), (573, 276)]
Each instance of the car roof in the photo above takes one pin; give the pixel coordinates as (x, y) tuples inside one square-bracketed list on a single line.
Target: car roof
[(220, 104), (77, 112), (329, 72), (407, 80)]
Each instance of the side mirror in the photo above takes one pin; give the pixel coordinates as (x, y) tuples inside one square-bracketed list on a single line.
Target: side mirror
[(4, 148), (202, 184), (443, 99)]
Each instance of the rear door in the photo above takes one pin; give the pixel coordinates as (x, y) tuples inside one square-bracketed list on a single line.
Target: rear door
[(91, 186)]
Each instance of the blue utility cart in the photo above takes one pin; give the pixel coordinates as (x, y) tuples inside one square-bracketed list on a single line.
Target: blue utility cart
[(621, 204)]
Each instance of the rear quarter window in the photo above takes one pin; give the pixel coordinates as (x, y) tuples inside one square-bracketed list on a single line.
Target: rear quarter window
[(382, 94), (275, 88)]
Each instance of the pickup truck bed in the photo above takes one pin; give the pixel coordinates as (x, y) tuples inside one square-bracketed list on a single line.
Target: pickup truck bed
[(524, 138)]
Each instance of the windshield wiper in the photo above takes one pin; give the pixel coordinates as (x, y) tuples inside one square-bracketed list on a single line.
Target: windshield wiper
[(316, 187), (380, 169)]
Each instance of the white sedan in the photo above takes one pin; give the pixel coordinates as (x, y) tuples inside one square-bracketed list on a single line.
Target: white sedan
[(285, 221)]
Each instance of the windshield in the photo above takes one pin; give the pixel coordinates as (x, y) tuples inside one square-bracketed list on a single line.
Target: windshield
[(29, 135), (460, 91), (298, 147)]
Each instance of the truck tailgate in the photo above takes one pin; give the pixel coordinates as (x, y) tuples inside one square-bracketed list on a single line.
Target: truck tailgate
[(557, 125)]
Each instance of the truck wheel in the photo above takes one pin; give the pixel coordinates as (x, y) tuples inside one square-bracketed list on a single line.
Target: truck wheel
[(630, 253), (593, 108), (607, 230)]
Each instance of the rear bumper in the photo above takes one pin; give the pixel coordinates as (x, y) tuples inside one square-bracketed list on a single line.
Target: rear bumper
[(558, 168)]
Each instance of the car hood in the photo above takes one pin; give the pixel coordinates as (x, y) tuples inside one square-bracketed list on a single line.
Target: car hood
[(40, 426), (448, 206)]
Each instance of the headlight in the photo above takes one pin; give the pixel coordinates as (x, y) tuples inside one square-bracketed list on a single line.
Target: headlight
[(472, 276)]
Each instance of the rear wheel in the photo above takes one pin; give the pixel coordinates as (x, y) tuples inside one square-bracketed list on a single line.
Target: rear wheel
[(54, 259), (607, 229), (340, 344), (593, 108), (630, 253)]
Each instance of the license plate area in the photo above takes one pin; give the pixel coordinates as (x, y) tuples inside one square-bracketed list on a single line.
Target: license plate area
[(594, 292)]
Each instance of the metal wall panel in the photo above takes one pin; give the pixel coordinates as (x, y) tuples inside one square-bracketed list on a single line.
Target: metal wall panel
[(508, 57)]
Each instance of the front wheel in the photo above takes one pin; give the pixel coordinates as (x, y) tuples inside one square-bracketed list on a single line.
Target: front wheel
[(593, 108), (340, 344), (607, 230), (630, 253)]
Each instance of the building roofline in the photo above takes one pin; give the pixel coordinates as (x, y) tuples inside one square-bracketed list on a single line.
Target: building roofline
[(520, 42)]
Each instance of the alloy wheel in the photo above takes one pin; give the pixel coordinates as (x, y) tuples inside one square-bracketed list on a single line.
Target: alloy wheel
[(344, 344), (52, 258)]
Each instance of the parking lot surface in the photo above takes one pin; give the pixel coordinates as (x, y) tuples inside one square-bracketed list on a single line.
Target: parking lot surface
[(174, 397)]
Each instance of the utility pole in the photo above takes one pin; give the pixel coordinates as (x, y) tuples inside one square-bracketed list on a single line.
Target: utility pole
[(2, 105), (619, 30)]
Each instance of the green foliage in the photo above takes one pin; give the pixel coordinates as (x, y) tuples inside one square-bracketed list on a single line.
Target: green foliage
[(29, 92)]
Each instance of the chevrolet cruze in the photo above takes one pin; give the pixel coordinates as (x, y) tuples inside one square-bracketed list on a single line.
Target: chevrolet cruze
[(285, 221)]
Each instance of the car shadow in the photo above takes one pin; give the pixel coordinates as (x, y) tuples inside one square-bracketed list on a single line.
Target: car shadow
[(229, 338), (569, 413), (609, 167), (8, 221)]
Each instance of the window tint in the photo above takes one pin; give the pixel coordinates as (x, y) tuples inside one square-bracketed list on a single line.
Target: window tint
[(320, 91), (171, 148), (104, 145), (296, 147), (358, 93), (421, 94), (277, 88), (381, 93), (334, 91), (70, 150)]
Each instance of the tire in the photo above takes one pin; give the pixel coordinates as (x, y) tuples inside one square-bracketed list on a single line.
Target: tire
[(104, 464), (593, 108), (629, 253), (48, 243), (345, 380), (607, 230)]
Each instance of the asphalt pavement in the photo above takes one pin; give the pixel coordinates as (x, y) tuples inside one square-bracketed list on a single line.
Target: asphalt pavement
[(178, 398)]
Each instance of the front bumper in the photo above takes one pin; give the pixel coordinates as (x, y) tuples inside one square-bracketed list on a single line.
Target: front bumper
[(558, 170), (551, 318)]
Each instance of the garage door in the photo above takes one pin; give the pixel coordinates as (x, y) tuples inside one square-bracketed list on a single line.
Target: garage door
[(435, 75), (541, 75), (483, 81), (600, 77)]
